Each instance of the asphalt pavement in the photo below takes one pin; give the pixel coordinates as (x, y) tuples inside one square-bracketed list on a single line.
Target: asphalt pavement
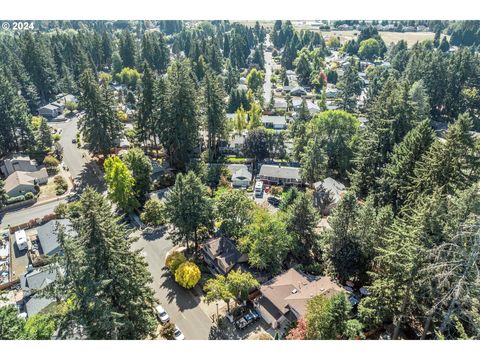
[(182, 305)]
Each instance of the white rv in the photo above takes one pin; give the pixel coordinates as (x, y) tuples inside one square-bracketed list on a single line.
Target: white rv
[(259, 189), (21, 239)]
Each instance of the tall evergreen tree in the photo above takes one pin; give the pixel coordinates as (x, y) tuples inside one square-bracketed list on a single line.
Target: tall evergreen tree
[(15, 130), (100, 127), (214, 112), (189, 208), (449, 166), (398, 173), (106, 283), (127, 49), (182, 115)]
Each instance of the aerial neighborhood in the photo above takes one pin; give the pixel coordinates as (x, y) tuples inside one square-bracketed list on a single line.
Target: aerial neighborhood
[(242, 180)]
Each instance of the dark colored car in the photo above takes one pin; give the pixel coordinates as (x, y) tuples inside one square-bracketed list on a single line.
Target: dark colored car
[(273, 201)]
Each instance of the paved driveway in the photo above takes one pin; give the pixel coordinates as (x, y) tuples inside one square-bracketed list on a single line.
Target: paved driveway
[(182, 305)]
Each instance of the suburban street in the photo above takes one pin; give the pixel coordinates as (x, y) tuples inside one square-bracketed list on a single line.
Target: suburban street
[(81, 169), (181, 304), (267, 85)]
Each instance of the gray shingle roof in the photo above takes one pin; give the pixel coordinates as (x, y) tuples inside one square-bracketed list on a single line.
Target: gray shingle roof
[(35, 304), (38, 278), (282, 172), (47, 235)]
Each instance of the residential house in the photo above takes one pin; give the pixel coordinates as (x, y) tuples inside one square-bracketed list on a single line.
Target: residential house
[(37, 279), (311, 106), (221, 255), (234, 143), (17, 162), (22, 182), (298, 91), (241, 176), (274, 122), (284, 299), (48, 236), (328, 194), (280, 175), (280, 104), (331, 91), (49, 111), (33, 281)]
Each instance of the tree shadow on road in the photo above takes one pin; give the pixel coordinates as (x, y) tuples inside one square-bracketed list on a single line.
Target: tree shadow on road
[(184, 299), (90, 177), (156, 234)]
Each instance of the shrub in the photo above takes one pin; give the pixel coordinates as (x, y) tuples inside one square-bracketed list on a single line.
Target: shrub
[(153, 213), (168, 331), (188, 275), (174, 260), (15, 199), (276, 190), (56, 137), (50, 162), (29, 195), (61, 185)]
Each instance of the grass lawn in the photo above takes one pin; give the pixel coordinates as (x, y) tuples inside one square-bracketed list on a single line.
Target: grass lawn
[(47, 191)]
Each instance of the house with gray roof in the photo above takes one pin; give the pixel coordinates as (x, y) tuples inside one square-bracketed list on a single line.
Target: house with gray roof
[(22, 182), (48, 235), (280, 175), (274, 122), (35, 304), (49, 111), (17, 162), (328, 194), (37, 279), (241, 176), (221, 255)]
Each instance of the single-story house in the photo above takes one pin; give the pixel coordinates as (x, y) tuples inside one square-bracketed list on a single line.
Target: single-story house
[(331, 92), (234, 143), (328, 194), (274, 122), (311, 106), (22, 182), (279, 104), (280, 175), (37, 279), (221, 254), (241, 176), (49, 111), (298, 91), (284, 299), (48, 237), (17, 162)]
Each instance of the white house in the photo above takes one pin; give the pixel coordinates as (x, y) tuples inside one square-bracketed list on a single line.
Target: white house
[(280, 175), (274, 122), (241, 176)]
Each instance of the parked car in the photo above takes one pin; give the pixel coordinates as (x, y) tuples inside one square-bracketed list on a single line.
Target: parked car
[(74, 141), (273, 201), (178, 334), (162, 314)]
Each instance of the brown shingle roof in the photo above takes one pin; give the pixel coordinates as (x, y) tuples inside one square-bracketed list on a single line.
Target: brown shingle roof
[(292, 290)]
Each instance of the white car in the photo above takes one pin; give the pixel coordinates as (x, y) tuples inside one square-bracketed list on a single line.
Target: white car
[(162, 314), (178, 334)]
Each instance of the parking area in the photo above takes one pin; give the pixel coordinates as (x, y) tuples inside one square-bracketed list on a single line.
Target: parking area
[(18, 259)]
